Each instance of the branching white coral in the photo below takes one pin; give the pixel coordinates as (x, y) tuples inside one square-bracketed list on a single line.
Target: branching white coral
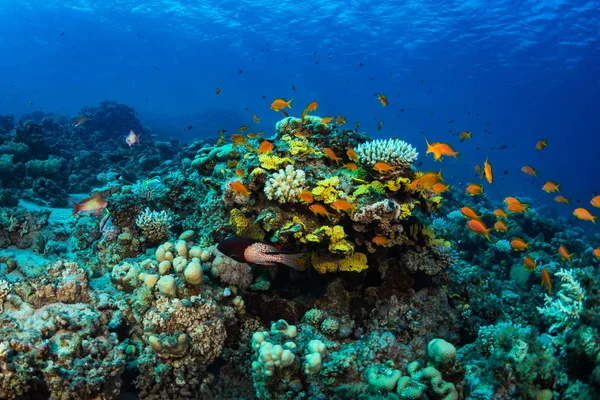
[(285, 186), (564, 311), (392, 151), (155, 225), (4, 290)]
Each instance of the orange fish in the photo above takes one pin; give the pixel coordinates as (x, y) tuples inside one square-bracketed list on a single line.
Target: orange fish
[(381, 241), (80, 120), (500, 213), (383, 167), (517, 207), (469, 213), (252, 135), (379, 125), (318, 209), (550, 187), (279, 104), (340, 120), (243, 128), (352, 155), (343, 205), (132, 138), (487, 169), (239, 188), (302, 134), (474, 189), (596, 253), (218, 91), (428, 179), (562, 199), (414, 185), (331, 155), (529, 170), (326, 120), (540, 145), (383, 99), (240, 172), (546, 279), (350, 167), (519, 244), (564, 253), (440, 149), (265, 147), (440, 188), (255, 119), (529, 263), (500, 226), (238, 139), (478, 169), (512, 200), (306, 197), (584, 214), (232, 163), (312, 106), (94, 203), (464, 135), (479, 228), (595, 201)]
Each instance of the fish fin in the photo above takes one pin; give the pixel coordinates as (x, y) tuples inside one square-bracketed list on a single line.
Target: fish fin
[(75, 207), (297, 261)]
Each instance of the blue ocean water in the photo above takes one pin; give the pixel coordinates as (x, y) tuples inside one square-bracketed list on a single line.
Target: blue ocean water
[(529, 68)]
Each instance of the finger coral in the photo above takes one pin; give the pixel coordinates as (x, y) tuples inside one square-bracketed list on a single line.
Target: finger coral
[(285, 185)]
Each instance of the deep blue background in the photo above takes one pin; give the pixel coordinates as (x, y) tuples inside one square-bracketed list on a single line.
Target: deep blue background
[(531, 70)]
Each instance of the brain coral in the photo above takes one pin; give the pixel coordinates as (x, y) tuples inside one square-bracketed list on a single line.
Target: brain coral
[(393, 151)]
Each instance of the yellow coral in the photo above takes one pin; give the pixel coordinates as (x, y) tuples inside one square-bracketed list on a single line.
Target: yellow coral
[(242, 226), (256, 171), (406, 210), (355, 263), (341, 247), (362, 189), (273, 162), (378, 187), (326, 190), (337, 233), (395, 184)]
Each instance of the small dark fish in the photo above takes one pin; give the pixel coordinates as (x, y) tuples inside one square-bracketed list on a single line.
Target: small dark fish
[(402, 109), (293, 88), (189, 128), (156, 68), (502, 147), (361, 64), (63, 33), (506, 172), (246, 250), (469, 113), (478, 148), (451, 121), (488, 123), (264, 97), (420, 163), (421, 131), (315, 53), (240, 71), (422, 81), (477, 115)]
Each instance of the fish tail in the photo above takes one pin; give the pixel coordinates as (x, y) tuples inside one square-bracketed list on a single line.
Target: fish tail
[(594, 220), (76, 207), (295, 261), (289, 104)]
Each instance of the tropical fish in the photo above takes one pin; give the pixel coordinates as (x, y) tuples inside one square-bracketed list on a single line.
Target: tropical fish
[(352, 155), (564, 253), (596, 253), (500, 226), (381, 241), (487, 169), (540, 145), (595, 201), (342, 205), (383, 167), (474, 189), (326, 120), (255, 119), (517, 207), (562, 199), (550, 187), (318, 209), (238, 139), (239, 188), (80, 120), (584, 214), (265, 147), (312, 106), (379, 125), (329, 153), (440, 149), (340, 120), (240, 172), (546, 279), (302, 134), (246, 250), (529, 170), (428, 179), (519, 244), (383, 99), (529, 263), (469, 213), (479, 228), (500, 213), (279, 104), (94, 203), (306, 197), (217, 91), (464, 135), (350, 166), (243, 128), (132, 138), (440, 188)]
